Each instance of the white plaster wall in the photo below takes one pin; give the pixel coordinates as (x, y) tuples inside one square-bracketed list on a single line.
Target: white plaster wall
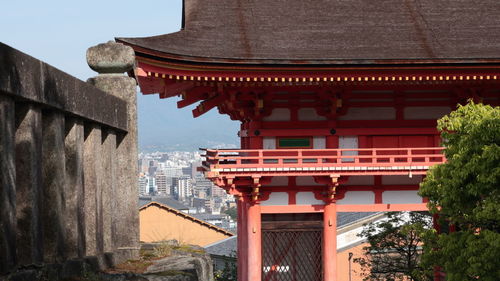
[(357, 197), (319, 142), (346, 142), (309, 114), (279, 181), (278, 114), (401, 197), (360, 180), (369, 113), (307, 198), (269, 143), (349, 237), (425, 113), (305, 181), (401, 179), (276, 199)]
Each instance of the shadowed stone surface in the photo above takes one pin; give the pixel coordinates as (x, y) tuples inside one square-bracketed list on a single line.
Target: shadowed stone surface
[(7, 186), (28, 183), (74, 198), (54, 185), (91, 178)]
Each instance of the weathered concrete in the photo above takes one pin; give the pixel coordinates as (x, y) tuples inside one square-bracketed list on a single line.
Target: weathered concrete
[(199, 265), (60, 205), (54, 184), (126, 237), (108, 193), (73, 205), (110, 57), (91, 173), (7, 186), (28, 183), (23, 76)]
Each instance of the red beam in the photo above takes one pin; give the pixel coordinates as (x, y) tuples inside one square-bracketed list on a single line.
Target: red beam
[(287, 209), (176, 89)]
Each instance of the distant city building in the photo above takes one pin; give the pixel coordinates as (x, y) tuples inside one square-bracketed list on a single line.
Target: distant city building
[(172, 172), (216, 191), (163, 183), (152, 185), (183, 187), (143, 184)]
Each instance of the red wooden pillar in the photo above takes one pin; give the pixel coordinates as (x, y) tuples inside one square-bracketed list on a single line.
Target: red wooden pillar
[(254, 240), (330, 242), (240, 205)]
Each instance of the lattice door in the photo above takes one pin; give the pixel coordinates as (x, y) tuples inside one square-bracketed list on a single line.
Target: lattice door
[(291, 255)]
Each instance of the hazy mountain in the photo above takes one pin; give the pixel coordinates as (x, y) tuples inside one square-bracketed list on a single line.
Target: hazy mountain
[(164, 127)]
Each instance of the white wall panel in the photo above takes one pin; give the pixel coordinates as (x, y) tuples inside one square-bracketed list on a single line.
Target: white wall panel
[(269, 143), (278, 114), (309, 114), (401, 197), (357, 197), (276, 199), (307, 198), (305, 181), (319, 142), (279, 181)]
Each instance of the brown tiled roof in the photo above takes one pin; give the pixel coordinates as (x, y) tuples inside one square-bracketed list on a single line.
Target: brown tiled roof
[(332, 32)]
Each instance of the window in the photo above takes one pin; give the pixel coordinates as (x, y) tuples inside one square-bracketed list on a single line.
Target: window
[(299, 142)]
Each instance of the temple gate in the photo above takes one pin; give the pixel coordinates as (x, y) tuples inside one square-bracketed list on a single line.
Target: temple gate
[(335, 116)]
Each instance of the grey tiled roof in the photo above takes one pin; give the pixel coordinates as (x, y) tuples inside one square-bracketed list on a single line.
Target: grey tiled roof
[(351, 217), (172, 203), (226, 247), (331, 32)]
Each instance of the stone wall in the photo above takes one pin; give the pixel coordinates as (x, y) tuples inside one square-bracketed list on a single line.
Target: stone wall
[(68, 156)]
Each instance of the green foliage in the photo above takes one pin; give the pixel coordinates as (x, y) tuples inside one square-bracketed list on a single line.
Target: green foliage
[(394, 248), (164, 249), (228, 273), (232, 212), (466, 192)]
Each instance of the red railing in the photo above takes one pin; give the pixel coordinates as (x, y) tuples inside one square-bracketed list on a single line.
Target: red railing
[(222, 159)]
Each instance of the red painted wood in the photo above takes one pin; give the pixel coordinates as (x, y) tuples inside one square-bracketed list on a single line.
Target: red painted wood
[(330, 242), (254, 243)]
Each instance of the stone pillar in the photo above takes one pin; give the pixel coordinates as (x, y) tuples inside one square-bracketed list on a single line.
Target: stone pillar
[(7, 185), (74, 198), (53, 192), (330, 242), (108, 191), (28, 183), (111, 60), (91, 178)]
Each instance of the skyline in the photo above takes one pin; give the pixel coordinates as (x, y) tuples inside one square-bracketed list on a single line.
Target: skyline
[(34, 28)]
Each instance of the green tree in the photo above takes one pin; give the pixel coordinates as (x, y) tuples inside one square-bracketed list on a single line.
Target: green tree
[(232, 212), (395, 247), (465, 191)]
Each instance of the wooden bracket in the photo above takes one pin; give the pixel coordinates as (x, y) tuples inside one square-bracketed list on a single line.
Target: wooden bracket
[(255, 189), (332, 188)]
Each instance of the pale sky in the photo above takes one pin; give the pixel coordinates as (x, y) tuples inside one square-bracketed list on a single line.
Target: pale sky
[(59, 32)]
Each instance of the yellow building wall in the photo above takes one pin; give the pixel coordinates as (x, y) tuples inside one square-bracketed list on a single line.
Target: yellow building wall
[(343, 264), (158, 224)]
